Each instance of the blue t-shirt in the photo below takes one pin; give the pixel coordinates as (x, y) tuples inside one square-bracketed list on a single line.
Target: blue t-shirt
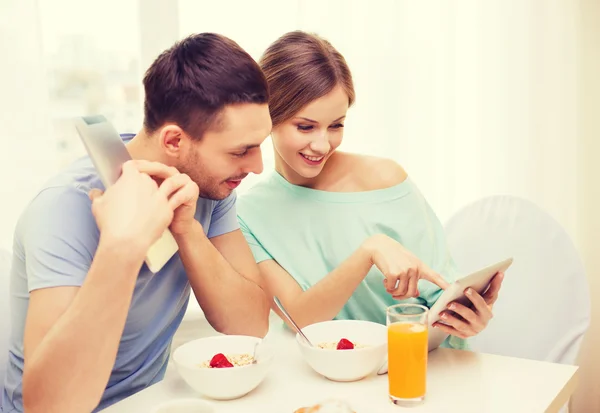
[(55, 240)]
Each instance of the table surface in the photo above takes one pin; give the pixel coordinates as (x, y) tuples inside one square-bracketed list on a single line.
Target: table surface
[(457, 381)]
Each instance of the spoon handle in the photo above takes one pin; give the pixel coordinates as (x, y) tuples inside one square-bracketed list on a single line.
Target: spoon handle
[(292, 322)]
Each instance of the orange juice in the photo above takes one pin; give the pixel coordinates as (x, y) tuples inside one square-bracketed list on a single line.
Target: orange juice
[(407, 360)]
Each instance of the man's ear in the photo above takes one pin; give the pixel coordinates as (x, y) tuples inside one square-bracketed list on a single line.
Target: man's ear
[(170, 138)]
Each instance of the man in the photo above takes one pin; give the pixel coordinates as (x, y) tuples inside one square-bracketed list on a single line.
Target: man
[(92, 325)]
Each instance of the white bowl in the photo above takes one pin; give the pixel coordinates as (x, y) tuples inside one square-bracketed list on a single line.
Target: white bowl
[(185, 406), (345, 365), (221, 383)]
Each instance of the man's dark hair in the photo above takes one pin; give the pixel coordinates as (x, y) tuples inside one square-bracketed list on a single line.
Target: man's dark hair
[(191, 82)]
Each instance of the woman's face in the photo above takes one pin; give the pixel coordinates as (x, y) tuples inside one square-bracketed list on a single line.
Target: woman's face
[(304, 143)]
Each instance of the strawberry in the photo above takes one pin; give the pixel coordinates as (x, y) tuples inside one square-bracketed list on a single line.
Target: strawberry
[(345, 344), (220, 361)]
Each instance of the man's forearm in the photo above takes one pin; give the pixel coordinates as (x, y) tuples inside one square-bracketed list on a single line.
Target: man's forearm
[(70, 368), (232, 303)]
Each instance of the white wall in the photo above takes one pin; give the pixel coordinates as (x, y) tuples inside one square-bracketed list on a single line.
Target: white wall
[(587, 398), (26, 152)]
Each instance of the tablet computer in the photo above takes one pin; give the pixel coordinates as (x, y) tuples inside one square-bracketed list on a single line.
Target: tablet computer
[(108, 153), (478, 281)]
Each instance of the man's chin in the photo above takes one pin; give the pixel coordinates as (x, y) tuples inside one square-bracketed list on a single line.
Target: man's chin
[(216, 195)]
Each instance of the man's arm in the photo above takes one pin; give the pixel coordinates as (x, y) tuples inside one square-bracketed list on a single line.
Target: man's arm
[(81, 286), (219, 265), (226, 281), (72, 334)]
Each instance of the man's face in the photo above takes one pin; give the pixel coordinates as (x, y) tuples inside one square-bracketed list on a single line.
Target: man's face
[(227, 153)]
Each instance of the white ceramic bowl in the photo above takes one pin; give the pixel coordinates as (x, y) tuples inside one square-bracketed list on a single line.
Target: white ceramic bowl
[(221, 383), (185, 406), (345, 365)]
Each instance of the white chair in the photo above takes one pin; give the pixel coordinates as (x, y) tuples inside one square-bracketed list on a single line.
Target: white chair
[(5, 261), (544, 309)]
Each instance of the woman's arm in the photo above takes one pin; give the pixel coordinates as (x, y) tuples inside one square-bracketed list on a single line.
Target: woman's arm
[(324, 300)]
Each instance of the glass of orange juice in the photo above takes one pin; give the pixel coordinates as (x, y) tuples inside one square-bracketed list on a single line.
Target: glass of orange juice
[(407, 353)]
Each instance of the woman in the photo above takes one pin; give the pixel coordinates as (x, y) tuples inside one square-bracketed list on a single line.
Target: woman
[(340, 235)]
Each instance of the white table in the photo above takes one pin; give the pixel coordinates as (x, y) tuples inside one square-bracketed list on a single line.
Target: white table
[(458, 381)]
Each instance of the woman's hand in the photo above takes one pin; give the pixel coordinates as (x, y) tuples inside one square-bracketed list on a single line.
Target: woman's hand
[(402, 269), (464, 322)]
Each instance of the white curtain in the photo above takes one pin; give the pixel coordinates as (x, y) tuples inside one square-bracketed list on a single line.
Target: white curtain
[(472, 97)]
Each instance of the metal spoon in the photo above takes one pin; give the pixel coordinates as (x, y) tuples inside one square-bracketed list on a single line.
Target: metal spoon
[(292, 322), (256, 346)]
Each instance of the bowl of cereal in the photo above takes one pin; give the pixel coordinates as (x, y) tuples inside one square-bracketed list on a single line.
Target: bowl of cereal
[(222, 367), (344, 350)]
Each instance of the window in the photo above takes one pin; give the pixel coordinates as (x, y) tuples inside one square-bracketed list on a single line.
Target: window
[(92, 58)]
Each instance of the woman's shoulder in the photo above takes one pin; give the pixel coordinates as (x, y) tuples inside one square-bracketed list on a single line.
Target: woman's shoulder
[(258, 191), (375, 172)]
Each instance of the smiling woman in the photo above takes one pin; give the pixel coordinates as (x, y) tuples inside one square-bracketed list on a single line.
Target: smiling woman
[(362, 235), (305, 141)]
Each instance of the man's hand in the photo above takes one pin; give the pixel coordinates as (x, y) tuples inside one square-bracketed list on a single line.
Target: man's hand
[(133, 210), (183, 193)]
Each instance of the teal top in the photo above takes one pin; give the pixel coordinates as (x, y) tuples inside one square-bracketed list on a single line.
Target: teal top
[(311, 232)]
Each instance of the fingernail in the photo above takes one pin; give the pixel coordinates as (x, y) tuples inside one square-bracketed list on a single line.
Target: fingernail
[(469, 291), (452, 307), (444, 315)]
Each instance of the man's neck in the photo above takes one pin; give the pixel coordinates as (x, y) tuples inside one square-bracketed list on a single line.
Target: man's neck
[(145, 146)]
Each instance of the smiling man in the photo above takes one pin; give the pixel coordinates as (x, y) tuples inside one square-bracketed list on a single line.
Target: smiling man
[(91, 324)]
